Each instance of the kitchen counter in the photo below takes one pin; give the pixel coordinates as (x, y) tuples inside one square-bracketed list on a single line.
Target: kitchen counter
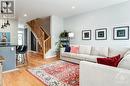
[(7, 45), (8, 56)]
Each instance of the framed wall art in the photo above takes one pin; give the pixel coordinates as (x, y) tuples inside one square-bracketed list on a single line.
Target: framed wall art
[(101, 34), (86, 34), (121, 33), (4, 38)]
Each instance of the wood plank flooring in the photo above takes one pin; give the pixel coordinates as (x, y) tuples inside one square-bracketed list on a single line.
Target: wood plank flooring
[(21, 77)]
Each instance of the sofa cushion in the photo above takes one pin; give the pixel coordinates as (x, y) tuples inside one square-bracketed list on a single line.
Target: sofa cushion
[(71, 55), (117, 50), (113, 61), (125, 62), (100, 51), (85, 49), (86, 57), (127, 53), (92, 58)]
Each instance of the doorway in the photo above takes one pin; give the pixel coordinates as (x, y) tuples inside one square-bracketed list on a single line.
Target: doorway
[(33, 42), (20, 37)]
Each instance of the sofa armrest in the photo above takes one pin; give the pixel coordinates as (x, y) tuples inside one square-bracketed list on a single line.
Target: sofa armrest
[(93, 74), (62, 50)]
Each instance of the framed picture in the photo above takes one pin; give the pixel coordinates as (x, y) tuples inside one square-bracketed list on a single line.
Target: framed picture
[(86, 35), (101, 34), (121, 33), (9, 7), (4, 38)]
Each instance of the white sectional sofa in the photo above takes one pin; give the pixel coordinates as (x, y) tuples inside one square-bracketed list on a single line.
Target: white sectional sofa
[(93, 74), (91, 53)]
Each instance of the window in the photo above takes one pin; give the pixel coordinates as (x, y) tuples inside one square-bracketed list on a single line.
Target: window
[(20, 37)]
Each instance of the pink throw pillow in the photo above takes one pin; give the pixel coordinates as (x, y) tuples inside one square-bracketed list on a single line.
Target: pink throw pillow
[(74, 49)]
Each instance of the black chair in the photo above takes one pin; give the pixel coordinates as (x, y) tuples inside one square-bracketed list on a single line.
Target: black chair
[(21, 49), (21, 58)]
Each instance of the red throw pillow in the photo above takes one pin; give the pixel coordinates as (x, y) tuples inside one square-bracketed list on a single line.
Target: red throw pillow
[(111, 61), (74, 49)]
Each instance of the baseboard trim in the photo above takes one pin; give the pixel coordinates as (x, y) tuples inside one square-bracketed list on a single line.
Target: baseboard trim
[(10, 70), (32, 51)]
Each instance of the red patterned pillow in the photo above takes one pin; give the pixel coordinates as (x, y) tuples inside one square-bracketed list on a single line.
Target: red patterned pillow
[(74, 49), (111, 61)]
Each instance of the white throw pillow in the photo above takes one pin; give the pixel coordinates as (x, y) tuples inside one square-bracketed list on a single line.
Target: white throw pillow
[(125, 62), (117, 50), (100, 51), (85, 49), (127, 53)]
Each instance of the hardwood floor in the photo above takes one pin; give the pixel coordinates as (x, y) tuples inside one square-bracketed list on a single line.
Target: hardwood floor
[(21, 77)]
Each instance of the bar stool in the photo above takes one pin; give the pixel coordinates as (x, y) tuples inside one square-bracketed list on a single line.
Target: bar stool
[(21, 55)]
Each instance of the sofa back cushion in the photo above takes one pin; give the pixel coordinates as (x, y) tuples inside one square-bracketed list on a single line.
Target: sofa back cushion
[(127, 53), (117, 50), (125, 62), (100, 51), (85, 49)]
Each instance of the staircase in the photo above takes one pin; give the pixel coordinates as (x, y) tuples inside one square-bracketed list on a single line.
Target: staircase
[(41, 30)]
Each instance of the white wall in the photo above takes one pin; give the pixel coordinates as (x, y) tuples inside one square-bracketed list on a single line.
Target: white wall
[(28, 37), (56, 29), (109, 17), (13, 29)]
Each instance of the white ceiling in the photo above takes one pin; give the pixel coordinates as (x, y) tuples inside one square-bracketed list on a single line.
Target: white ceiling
[(63, 8)]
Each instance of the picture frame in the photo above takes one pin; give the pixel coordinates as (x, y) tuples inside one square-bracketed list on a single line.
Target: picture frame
[(101, 34), (4, 38), (10, 7), (86, 34), (121, 33)]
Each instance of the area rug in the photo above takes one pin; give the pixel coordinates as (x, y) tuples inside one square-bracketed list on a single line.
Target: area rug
[(59, 73)]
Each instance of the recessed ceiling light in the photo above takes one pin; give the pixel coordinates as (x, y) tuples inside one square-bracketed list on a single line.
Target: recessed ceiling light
[(73, 7), (25, 15)]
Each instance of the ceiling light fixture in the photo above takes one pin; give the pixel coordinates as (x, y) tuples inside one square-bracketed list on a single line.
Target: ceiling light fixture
[(73, 7), (25, 15)]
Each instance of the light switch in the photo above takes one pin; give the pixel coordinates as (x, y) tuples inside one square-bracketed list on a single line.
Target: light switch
[(12, 48)]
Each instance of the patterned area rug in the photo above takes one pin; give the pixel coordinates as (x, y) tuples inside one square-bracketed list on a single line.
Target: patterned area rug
[(58, 73)]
